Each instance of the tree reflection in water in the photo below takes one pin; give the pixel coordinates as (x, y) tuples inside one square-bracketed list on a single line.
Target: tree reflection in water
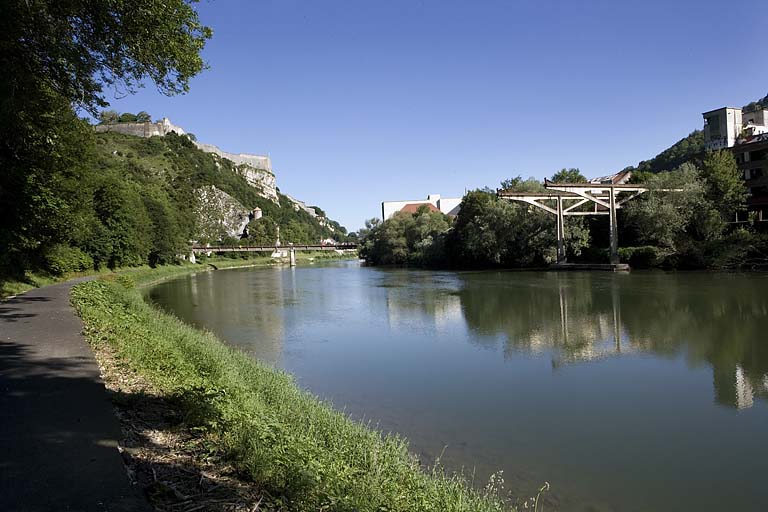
[(715, 319)]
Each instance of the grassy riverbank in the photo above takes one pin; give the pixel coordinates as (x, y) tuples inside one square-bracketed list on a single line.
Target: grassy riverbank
[(302, 454), (10, 286)]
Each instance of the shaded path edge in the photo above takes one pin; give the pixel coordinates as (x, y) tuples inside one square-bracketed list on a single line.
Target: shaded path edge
[(59, 434)]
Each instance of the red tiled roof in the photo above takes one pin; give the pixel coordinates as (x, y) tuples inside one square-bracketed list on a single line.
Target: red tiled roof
[(414, 207)]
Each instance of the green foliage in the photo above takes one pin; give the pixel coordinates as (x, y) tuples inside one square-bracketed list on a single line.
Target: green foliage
[(494, 232), (127, 117), (56, 55), (407, 238), (109, 116), (756, 105), (79, 46), (61, 259), (262, 231), (679, 153), (519, 185), (646, 256), (572, 175), (725, 183), (304, 455), (689, 227)]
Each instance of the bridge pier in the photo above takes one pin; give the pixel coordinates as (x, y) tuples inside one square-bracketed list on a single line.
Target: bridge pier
[(293, 257)]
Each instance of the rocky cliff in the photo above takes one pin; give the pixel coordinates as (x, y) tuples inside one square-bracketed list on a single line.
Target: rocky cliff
[(256, 169), (219, 215)]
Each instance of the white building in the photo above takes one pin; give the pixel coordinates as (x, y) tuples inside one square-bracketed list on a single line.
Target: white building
[(724, 126), (446, 205)]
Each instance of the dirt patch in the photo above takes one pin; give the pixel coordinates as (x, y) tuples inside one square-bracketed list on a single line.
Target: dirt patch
[(173, 462)]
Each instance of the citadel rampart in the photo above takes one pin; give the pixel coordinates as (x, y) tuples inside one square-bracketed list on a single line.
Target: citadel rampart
[(257, 169)]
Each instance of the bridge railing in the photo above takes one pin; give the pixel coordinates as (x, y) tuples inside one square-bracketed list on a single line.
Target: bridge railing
[(274, 248)]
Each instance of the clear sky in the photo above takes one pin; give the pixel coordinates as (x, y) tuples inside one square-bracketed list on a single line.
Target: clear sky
[(361, 101)]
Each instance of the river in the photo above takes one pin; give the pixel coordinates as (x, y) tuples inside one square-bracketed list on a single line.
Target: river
[(626, 392)]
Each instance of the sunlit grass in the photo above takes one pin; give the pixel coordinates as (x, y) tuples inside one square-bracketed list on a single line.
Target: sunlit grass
[(305, 455)]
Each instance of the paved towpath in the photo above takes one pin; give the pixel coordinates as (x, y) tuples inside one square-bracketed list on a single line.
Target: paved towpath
[(58, 430)]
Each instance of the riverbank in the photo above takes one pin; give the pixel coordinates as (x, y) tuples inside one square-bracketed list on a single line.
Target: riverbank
[(287, 448), (12, 286)]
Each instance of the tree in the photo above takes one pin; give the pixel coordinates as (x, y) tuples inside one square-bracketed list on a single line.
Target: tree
[(518, 184), (724, 182), (59, 55), (143, 117), (572, 175), (127, 117), (262, 231), (108, 116), (79, 46)]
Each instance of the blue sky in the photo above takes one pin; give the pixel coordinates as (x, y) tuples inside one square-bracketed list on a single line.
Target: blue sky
[(361, 101)]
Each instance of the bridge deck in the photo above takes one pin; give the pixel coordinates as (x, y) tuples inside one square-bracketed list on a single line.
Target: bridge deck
[(272, 248)]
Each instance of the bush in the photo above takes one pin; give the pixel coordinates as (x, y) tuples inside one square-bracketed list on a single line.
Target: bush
[(61, 259), (645, 256)]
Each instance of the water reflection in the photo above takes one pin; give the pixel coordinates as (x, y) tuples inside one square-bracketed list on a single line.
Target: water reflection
[(580, 317), (227, 308), (601, 384)]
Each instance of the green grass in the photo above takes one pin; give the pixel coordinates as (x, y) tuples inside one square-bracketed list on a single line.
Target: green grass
[(305, 455)]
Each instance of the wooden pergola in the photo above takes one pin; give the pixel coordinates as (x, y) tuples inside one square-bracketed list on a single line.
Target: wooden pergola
[(567, 198)]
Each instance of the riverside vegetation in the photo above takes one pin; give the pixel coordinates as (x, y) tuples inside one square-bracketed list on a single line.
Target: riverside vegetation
[(72, 200), (299, 451), (686, 229)]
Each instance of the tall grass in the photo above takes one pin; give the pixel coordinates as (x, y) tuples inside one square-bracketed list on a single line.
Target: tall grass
[(305, 455)]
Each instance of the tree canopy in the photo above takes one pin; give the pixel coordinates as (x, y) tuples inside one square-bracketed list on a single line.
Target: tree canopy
[(58, 56), (79, 46)]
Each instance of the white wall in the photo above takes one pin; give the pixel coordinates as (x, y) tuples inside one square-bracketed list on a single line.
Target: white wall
[(447, 205)]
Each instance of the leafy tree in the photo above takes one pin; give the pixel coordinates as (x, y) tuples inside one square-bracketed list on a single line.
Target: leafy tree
[(262, 231), (108, 116), (143, 117), (406, 238), (725, 183), (518, 184), (56, 55), (572, 175), (127, 117), (79, 46)]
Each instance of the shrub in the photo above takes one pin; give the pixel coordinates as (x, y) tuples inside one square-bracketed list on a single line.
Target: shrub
[(645, 256), (62, 258)]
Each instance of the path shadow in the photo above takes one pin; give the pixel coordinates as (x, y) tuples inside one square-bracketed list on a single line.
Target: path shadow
[(12, 310), (58, 436)]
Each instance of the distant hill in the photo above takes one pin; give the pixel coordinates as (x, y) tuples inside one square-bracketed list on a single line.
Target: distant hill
[(680, 152), (211, 196), (686, 148)]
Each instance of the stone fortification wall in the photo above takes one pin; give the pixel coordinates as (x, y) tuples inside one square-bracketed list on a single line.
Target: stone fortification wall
[(256, 169), (160, 128), (256, 161)]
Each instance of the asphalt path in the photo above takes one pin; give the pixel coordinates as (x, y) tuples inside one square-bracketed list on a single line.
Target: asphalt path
[(58, 429)]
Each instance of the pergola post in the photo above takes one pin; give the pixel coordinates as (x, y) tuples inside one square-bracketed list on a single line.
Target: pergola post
[(613, 226), (560, 231)]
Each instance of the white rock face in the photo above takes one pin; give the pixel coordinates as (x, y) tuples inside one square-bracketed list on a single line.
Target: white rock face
[(256, 169), (219, 215)]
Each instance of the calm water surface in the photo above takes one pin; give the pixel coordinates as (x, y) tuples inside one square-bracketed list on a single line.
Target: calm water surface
[(645, 391)]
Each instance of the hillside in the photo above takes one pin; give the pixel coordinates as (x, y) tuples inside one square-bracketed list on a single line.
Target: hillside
[(680, 152), (686, 148), (215, 191)]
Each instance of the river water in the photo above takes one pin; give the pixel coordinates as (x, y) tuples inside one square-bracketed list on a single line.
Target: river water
[(626, 392)]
